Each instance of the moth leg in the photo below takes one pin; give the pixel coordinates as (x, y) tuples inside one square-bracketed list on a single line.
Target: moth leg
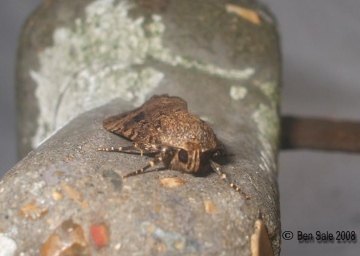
[(157, 159), (217, 168), (136, 148)]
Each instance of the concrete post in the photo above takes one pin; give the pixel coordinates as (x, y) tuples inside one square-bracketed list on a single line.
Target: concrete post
[(65, 196)]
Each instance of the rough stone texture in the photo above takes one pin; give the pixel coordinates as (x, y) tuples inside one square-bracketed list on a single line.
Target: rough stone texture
[(66, 178), (216, 56)]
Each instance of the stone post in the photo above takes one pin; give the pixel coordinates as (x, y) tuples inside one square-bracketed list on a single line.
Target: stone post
[(110, 56)]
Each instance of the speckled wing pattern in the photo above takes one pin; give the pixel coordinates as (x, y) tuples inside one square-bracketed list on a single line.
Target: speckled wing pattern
[(164, 120), (144, 124)]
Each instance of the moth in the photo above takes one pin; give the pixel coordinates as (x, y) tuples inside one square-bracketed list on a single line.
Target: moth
[(164, 129)]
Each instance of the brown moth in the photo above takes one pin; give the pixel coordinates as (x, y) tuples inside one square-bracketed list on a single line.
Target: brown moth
[(163, 127)]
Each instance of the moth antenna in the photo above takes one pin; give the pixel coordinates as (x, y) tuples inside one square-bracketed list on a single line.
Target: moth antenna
[(113, 149), (217, 168), (139, 149)]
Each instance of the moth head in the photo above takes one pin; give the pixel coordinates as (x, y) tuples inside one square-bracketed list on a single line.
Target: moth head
[(191, 157), (186, 160)]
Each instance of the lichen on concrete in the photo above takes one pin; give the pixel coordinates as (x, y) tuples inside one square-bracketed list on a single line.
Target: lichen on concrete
[(96, 66), (93, 64), (238, 92), (266, 118)]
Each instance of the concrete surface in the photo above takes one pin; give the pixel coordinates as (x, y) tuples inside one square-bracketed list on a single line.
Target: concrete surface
[(66, 184)]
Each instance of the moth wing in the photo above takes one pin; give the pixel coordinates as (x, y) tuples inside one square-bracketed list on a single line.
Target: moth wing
[(141, 124), (114, 124)]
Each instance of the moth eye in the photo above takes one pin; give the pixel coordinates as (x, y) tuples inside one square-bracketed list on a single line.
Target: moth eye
[(216, 154), (183, 156)]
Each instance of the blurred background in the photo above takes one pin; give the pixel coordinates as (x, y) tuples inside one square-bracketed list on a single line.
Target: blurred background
[(321, 62)]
